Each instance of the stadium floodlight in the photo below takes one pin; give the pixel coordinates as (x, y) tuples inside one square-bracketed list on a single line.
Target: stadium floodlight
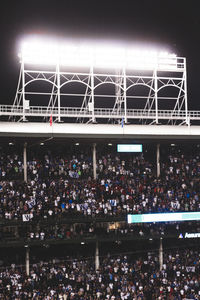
[(47, 52), (38, 52)]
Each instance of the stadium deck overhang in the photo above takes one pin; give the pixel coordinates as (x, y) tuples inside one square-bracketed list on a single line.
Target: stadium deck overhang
[(99, 131)]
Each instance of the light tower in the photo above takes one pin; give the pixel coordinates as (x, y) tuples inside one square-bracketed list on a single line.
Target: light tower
[(94, 83)]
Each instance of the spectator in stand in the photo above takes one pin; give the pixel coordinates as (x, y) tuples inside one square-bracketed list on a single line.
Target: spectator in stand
[(60, 186), (119, 277)]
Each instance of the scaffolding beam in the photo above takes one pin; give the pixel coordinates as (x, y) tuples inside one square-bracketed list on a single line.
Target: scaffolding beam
[(124, 101)]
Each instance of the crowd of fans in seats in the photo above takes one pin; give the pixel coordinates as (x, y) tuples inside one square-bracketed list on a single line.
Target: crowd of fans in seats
[(61, 186), (64, 186), (123, 277)]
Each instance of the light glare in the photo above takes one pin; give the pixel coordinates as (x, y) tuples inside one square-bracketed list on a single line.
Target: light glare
[(47, 52)]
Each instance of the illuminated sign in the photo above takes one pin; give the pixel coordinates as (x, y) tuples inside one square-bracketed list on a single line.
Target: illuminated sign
[(164, 217), (189, 235), (129, 148)]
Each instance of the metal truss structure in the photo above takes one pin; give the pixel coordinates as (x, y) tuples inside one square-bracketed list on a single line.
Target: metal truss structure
[(84, 95)]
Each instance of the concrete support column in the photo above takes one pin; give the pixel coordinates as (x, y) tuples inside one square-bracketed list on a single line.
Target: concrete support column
[(158, 160), (16, 232), (94, 161), (97, 256), (27, 261), (161, 254), (25, 162)]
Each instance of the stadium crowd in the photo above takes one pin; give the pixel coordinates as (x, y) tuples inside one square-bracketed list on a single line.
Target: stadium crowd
[(61, 186), (64, 186), (124, 277)]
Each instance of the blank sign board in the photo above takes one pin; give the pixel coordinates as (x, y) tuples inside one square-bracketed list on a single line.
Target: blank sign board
[(164, 217), (129, 148)]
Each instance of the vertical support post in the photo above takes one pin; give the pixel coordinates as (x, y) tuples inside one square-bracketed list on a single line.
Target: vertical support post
[(27, 261), (161, 254), (118, 96), (92, 93), (97, 264), (23, 92), (156, 94), (58, 90), (17, 98), (187, 120), (25, 162), (158, 159), (94, 161), (125, 99)]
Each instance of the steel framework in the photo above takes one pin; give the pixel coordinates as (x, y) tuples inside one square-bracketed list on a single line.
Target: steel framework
[(154, 96)]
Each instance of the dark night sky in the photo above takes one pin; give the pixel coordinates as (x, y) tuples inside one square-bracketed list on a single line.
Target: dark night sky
[(171, 24)]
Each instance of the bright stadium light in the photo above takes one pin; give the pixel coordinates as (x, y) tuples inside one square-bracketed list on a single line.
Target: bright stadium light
[(109, 57), (48, 52), (38, 52)]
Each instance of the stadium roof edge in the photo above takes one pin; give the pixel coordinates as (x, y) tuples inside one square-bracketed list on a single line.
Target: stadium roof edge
[(68, 130)]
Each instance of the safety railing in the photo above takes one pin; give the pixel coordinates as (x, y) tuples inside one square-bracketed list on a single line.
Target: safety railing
[(67, 112)]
